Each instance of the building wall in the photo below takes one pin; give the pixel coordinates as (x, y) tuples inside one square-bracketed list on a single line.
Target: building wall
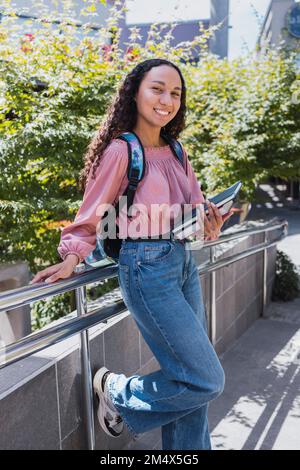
[(278, 24), (184, 31), (274, 28), (40, 9), (187, 30), (27, 9)]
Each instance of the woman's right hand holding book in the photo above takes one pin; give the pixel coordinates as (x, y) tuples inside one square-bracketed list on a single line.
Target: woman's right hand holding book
[(214, 221)]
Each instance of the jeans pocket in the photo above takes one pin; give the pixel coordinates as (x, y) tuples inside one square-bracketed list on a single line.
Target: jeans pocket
[(155, 253)]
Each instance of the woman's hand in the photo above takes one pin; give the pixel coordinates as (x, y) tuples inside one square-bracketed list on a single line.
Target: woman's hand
[(57, 271), (214, 221)]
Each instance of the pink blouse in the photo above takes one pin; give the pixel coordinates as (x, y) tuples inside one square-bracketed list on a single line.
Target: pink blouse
[(165, 182)]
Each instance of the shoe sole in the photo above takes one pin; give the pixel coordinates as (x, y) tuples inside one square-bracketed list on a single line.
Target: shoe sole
[(97, 382), (97, 385)]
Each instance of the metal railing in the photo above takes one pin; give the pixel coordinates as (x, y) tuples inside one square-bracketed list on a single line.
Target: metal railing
[(40, 340)]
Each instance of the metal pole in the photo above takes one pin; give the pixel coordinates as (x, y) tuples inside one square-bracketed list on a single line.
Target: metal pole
[(213, 320), (87, 385), (265, 268)]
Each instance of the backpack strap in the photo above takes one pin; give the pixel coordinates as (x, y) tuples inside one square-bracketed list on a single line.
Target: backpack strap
[(136, 165), (135, 170), (137, 162)]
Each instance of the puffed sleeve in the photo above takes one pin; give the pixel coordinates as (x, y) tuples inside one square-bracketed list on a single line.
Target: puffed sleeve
[(196, 196), (196, 193), (80, 237)]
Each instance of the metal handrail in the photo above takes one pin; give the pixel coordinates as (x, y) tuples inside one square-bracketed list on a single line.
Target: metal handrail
[(38, 341), (250, 231), (42, 339), (213, 266), (27, 294)]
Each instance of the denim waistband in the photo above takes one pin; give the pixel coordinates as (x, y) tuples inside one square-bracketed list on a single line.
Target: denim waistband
[(157, 239)]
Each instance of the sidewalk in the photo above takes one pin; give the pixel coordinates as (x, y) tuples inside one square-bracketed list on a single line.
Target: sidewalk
[(260, 405)]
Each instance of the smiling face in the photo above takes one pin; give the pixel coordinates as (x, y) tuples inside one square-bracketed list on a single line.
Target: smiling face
[(159, 96)]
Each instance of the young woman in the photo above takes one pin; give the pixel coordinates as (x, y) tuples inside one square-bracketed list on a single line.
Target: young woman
[(158, 278)]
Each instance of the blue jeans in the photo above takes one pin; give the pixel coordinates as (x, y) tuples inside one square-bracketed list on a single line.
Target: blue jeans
[(161, 288)]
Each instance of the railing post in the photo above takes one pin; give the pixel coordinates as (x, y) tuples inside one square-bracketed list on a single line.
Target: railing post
[(213, 320), (86, 374), (265, 270)]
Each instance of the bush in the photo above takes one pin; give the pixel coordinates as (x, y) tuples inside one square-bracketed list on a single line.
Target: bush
[(44, 311), (286, 285), (47, 310), (102, 288)]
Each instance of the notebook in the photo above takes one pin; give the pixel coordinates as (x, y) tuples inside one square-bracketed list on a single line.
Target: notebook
[(187, 224)]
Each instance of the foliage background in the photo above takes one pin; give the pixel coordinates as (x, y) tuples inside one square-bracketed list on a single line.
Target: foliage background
[(242, 121)]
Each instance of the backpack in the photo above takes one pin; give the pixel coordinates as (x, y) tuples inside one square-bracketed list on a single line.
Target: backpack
[(109, 247)]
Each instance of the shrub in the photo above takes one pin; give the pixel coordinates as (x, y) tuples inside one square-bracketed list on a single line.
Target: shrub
[(286, 285), (44, 311)]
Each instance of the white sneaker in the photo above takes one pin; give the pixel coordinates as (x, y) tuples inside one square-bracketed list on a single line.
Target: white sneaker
[(108, 416)]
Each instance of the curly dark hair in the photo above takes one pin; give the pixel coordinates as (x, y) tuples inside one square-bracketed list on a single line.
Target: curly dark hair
[(122, 116)]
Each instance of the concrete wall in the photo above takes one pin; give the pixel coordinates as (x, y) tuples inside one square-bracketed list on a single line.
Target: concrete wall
[(42, 394), (274, 28), (239, 292), (16, 323)]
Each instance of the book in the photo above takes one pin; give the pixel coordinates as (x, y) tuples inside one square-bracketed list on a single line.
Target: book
[(187, 224), (225, 199)]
